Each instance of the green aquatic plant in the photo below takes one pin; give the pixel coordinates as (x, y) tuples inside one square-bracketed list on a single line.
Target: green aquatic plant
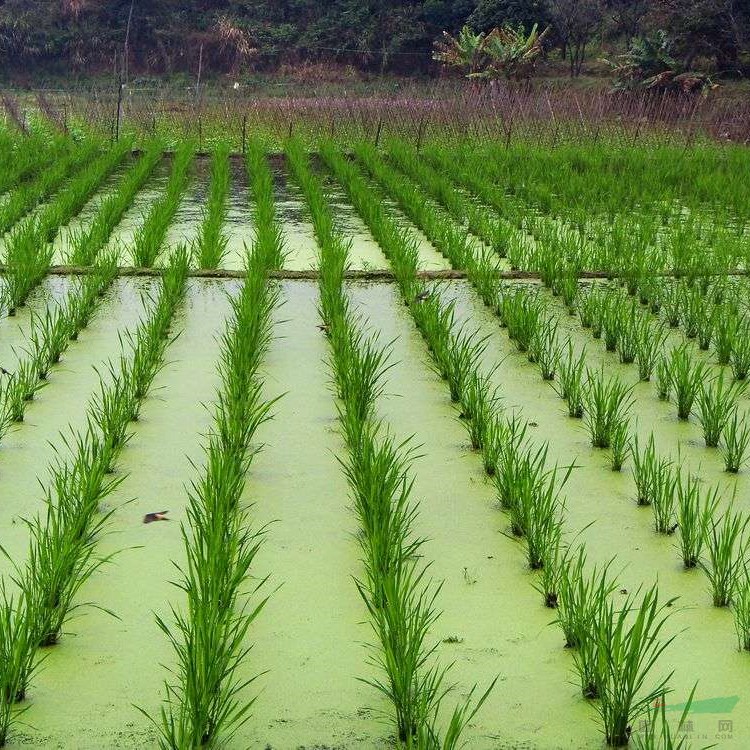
[(726, 556), (630, 641), (686, 378), (695, 514), (739, 358), (735, 443), (715, 404), (150, 235), (571, 385), (210, 247), (648, 346), (655, 732), (607, 403)]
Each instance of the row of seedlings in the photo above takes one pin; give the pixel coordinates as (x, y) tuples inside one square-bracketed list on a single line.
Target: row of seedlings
[(678, 376), (492, 230), (400, 598), (268, 234), (29, 248), (206, 700), (29, 195), (615, 647), (50, 335), (63, 538), (717, 543), (713, 540), (210, 247), (624, 327), (86, 243), (522, 311), (27, 157), (52, 331), (148, 240)]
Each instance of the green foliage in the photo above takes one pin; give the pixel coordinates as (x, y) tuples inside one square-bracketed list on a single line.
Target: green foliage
[(649, 64), (503, 52)]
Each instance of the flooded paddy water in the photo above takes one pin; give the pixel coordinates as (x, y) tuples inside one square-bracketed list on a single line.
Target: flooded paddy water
[(311, 658)]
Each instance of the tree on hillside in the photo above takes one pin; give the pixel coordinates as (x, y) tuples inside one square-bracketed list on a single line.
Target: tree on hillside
[(577, 22), (710, 29), (626, 17), (491, 14)]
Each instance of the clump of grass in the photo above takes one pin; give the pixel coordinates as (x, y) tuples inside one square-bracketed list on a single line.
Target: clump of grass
[(544, 348), (620, 444), (630, 642), (629, 335), (571, 385), (522, 312), (695, 515), (663, 498), (542, 510), (726, 330), (741, 610), (739, 358), (607, 403), (726, 559), (735, 443), (685, 378), (655, 732), (663, 379), (647, 471), (582, 597), (716, 402), (648, 346), (479, 405)]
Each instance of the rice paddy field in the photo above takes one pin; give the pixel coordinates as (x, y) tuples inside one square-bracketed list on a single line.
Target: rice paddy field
[(341, 443)]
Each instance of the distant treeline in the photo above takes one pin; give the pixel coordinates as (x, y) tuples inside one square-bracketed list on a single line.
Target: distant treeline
[(229, 36)]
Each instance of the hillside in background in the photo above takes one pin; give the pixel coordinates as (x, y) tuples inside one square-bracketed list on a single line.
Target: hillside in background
[(86, 37)]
